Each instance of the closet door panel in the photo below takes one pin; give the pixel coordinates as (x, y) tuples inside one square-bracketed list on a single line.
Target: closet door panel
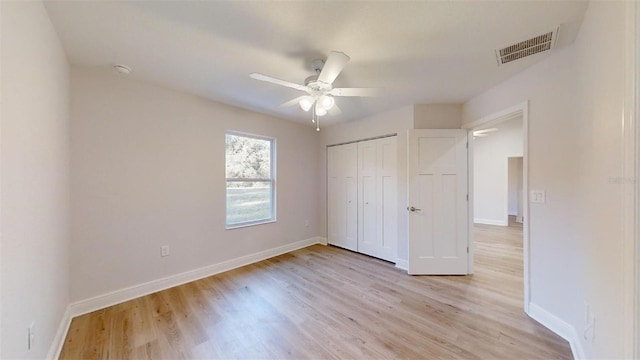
[(387, 199), (362, 197), (349, 172), (351, 214), (367, 199), (333, 196)]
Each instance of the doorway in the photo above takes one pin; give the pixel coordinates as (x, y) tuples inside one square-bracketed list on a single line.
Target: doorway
[(489, 200)]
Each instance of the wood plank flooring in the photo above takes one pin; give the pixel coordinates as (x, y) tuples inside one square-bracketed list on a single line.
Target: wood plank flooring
[(324, 302)]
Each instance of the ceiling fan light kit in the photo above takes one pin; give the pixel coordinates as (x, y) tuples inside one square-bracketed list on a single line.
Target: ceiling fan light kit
[(306, 103), (319, 87), (320, 111)]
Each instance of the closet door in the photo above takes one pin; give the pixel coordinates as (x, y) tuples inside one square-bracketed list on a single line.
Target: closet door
[(333, 194), (368, 198), (342, 170), (377, 198), (387, 198)]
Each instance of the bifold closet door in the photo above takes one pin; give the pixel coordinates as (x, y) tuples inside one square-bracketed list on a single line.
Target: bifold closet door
[(342, 196), (378, 198)]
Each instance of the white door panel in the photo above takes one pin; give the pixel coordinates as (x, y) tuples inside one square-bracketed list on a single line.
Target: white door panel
[(362, 197), (350, 236), (333, 195), (438, 194), (367, 199), (387, 198), (342, 196)]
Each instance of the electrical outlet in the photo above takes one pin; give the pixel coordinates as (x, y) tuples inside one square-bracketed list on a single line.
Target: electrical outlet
[(31, 336), (164, 250)]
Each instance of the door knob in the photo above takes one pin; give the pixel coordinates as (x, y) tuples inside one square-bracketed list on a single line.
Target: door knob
[(413, 209)]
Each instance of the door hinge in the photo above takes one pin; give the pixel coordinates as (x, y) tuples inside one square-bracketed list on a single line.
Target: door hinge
[(467, 249), (467, 197)]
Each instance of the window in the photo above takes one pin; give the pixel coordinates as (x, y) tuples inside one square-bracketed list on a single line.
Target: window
[(250, 169)]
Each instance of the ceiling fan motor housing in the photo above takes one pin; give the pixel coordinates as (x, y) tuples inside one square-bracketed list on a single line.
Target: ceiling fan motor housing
[(314, 84)]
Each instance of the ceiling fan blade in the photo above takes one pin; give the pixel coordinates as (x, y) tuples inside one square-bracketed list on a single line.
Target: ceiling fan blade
[(292, 102), (273, 80), (356, 92), (333, 66), (335, 110)]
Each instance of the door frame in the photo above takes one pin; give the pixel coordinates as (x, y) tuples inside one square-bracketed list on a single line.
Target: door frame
[(631, 182), (510, 113)]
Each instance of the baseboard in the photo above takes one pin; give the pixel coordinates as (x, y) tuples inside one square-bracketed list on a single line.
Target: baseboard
[(490, 222), (558, 326), (61, 334), (136, 291), (402, 264)]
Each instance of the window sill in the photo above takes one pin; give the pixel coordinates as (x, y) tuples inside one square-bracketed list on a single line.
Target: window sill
[(243, 225)]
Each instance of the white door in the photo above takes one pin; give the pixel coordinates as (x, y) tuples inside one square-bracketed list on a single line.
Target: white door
[(377, 198), (342, 168), (387, 198), (367, 199), (438, 187)]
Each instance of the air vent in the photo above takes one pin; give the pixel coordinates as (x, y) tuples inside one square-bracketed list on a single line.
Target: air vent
[(528, 47)]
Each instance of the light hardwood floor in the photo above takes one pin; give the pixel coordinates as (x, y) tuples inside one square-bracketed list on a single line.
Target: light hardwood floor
[(325, 302)]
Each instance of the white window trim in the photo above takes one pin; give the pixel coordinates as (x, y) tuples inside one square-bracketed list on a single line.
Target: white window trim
[(273, 172)]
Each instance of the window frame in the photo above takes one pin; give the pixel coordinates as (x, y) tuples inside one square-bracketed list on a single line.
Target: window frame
[(272, 180)]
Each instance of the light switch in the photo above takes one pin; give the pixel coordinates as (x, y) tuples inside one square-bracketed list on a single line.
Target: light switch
[(538, 196)]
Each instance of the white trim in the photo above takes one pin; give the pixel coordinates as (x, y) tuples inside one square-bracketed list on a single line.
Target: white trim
[(631, 184), (61, 334), (471, 244), (402, 264), (558, 326), (526, 247), (115, 297), (490, 222), (510, 113)]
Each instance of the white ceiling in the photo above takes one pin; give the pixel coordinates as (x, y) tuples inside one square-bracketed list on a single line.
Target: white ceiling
[(419, 52)]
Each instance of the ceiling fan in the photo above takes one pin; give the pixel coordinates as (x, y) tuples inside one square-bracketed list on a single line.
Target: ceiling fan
[(319, 87)]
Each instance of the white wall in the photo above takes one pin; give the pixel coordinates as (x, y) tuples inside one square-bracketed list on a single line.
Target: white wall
[(147, 170), (34, 181), (437, 116), (575, 147), (491, 171)]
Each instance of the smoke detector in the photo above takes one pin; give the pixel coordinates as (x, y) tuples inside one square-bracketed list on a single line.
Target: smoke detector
[(522, 49)]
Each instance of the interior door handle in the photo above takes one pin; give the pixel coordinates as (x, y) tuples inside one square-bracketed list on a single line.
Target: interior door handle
[(413, 209)]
